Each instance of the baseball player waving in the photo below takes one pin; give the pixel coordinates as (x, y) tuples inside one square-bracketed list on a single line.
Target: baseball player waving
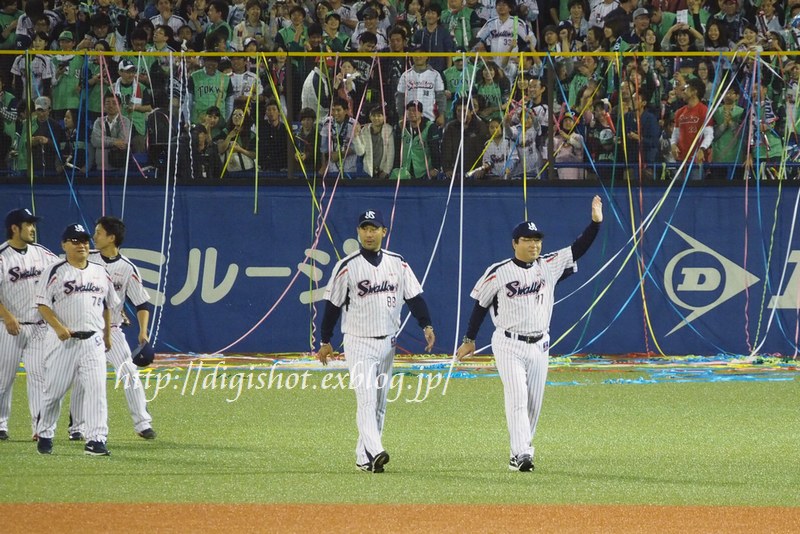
[(109, 234), (367, 290), (519, 293), (75, 297)]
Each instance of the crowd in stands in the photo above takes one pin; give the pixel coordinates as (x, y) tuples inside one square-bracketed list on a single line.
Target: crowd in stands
[(395, 111)]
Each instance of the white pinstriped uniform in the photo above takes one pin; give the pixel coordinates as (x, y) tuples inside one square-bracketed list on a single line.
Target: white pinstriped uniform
[(127, 284), (499, 36), (371, 299), (19, 273), (77, 297), (520, 301), (421, 86)]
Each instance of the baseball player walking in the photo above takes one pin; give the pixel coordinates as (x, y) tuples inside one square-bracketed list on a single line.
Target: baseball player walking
[(367, 290), (519, 293), (76, 298), (109, 233), (24, 332)]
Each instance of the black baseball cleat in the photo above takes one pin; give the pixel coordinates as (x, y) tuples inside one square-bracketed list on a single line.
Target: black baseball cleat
[(96, 448), (44, 445), (3, 435), (76, 436), (523, 462), (367, 467), (147, 433), (381, 459)]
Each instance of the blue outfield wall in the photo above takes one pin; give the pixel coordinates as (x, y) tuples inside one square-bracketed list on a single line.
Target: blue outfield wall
[(714, 258)]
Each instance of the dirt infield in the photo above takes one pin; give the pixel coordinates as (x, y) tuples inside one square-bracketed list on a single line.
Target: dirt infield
[(151, 517)]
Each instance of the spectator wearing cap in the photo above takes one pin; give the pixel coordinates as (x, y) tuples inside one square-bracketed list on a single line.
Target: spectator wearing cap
[(418, 145), (135, 102), (70, 21), (433, 37), (461, 22), (333, 38), (369, 24), (111, 134), (245, 82), (336, 141), (423, 84), (41, 70), (210, 87), (66, 77), (375, 143), (166, 15), (252, 27), (199, 158), (46, 138), (641, 22)]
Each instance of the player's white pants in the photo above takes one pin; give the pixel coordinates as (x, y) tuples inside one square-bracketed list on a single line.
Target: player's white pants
[(127, 379), (523, 371), (77, 360), (33, 343), (369, 361)]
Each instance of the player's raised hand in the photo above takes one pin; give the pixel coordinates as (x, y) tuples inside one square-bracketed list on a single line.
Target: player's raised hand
[(466, 349), (325, 352), (597, 209), (430, 338)]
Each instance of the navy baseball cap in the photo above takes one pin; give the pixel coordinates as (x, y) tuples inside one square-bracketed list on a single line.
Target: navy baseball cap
[(143, 355), (373, 217), (526, 229), (75, 231), (20, 216)]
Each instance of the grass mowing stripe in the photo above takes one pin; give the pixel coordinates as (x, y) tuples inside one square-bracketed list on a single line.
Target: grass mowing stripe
[(731, 443)]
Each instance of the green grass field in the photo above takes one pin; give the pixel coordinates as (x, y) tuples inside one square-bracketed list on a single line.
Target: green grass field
[(729, 443)]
